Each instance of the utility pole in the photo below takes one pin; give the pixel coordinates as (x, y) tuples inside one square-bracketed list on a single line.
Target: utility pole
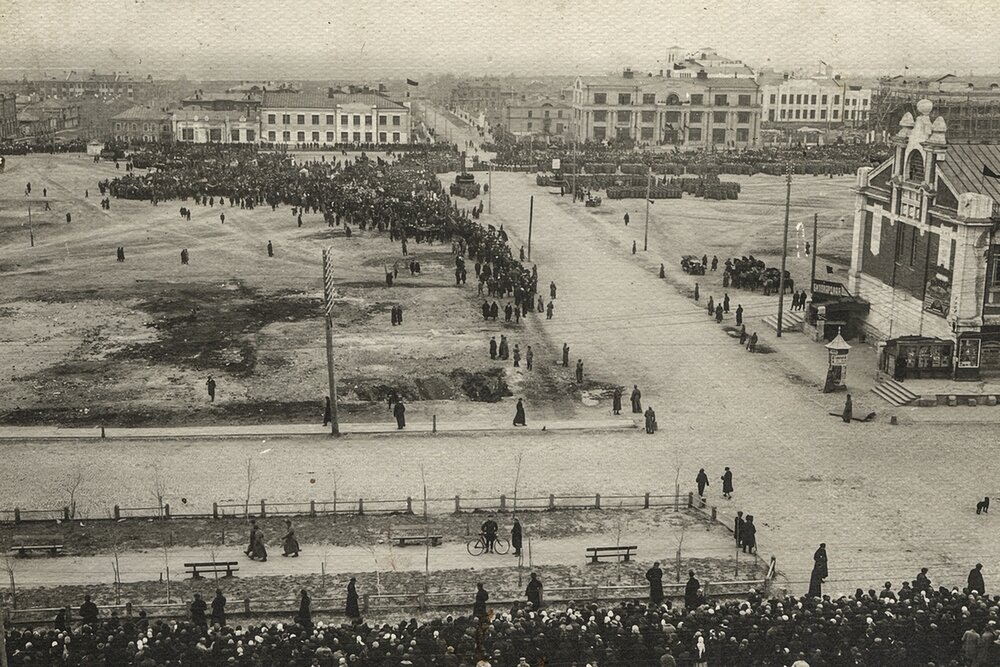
[(489, 205), (531, 215), (31, 230), (328, 308), (815, 236), (645, 235), (3, 633), (784, 248)]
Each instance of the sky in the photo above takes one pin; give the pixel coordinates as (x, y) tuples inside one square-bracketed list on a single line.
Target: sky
[(337, 39)]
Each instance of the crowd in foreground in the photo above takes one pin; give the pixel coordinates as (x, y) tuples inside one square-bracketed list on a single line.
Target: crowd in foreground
[(915, 625)]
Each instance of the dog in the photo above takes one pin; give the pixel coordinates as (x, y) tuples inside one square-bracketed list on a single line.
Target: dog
[(983, 506)]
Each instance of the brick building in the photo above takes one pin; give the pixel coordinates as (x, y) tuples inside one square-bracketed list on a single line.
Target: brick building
[(8, 116), (151, 123), (692, 113), (924, 253), (116, 84)]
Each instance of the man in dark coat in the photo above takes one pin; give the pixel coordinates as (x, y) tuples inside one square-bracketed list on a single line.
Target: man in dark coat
[(519, 419), (516, 537), (819, 572), (749, 535), (352, 610), (504, 350), (650, 420), (725, 303), (327, 412), (616, 401), (738, 529), (692, 596), (636, 399), (848, 410), (508, 312), (493, 347), (486, 310), (739, 314), (534, 592), (976, 582), (219, 608), (399, 412), (198, 608), (565, 357), (210, 384), (579, 371), (270, 249), (479, 608), (88, 611), (304, 617), (654, 576), (494, 311), (727, 484), (702, 481)]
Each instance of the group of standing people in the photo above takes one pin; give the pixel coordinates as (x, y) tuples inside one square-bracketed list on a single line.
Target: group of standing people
[(257, 549)]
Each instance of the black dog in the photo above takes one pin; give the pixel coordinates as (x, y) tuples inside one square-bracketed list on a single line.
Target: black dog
[(983, 506)]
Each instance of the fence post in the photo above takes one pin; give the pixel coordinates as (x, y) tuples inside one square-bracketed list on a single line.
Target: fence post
[(263, 509), (645, 502), (552, 501), (312, 508), (118, 512), (434, 423), (595, 593), (246, 606), (166, 510), (597, 501), (17, 515), (715, 513), (690, 499), (678, 568), (458, 505), (364, 602), (215, 510), (361, 506), (409, 505), (65, 514), (128, 608), (503, 502)]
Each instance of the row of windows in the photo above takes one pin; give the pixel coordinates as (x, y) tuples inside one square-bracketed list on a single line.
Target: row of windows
[(718, 117), (697, 99), (530, 113), (800, 114), (215, 134), (805, 99), (694, 134), (559, 127), (345, 137), (134, 127), (300, 119)]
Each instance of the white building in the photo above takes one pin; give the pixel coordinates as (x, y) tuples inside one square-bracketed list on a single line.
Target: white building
[(810, 101), (200, 126), (338, 119)]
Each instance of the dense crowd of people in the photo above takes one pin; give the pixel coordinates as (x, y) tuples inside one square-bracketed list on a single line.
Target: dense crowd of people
[(914, 625)]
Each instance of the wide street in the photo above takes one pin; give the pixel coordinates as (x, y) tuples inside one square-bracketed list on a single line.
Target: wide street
[(886, 499)]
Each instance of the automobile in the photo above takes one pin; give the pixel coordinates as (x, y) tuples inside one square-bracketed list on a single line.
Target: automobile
[(692, 264)]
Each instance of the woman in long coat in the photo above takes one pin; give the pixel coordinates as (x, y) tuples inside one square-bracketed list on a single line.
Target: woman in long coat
[(289, 543), (616, 401), (257, 547), (304, 617), (352, 610)]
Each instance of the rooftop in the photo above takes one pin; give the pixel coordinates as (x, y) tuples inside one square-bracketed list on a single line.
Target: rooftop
[(209, 115), (144, 112), (964, 168), (283, 100)]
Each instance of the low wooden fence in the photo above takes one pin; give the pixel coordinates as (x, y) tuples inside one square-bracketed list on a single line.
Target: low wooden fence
[(364, 506)]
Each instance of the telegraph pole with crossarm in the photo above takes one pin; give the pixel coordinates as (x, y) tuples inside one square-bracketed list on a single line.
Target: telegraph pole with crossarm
[(328, 312)]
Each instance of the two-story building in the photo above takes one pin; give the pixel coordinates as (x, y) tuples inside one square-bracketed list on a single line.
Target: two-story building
[(200, 126), (545, 117), (926, 254), (333, 119), (143, 124)]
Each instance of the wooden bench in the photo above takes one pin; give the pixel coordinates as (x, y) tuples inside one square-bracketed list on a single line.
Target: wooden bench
[(623, 553), (24, 544), (414, 535), (225, 568)]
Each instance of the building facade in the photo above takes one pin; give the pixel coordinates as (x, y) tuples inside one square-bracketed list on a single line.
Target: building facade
[(198, 126), (117, 84), (538, 117), (8, 116), (698, 113), (245, 102), (925, 255), (338, 119), (816, 101), (143, 124), (970, 105)]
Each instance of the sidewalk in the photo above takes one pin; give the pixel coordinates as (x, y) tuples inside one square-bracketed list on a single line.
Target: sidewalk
[(304, 430)]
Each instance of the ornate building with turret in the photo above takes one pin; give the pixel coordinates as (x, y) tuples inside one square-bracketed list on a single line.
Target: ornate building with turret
[(924, 254)]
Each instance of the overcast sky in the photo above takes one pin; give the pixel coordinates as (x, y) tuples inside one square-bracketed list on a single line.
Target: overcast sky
[(329, 39)]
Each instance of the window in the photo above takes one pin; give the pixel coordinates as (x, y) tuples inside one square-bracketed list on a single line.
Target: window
[(697, 99), (772, 98), (315, 119), (271, 136), (118, 127), (600, 116), (770, 114), (530, 125), (648, 116), (344, 137), (215, 134), (368, 120), (646, 133), (719, 117), (864, 102), (823, 100), (812, 114), (357, 120), (915, 166), (251, 136), (812, 100), (559, 128), (315, 137), (546, 113), (396, 120), (624, 98), (649, 98), (836, 114), (600, 98), (383, 120), (356, 137), (822, 114), (694, 116), (300, 119), (285, 119), (718, 136), (694, 134), (745, 101), (900, 239), (913, 247), (300, 136), (187, 134), (672, 116), (395, 137), (368, 137), (721, 100), (343, 119), (783, 98), (743, 117), (382, 137), (234, 136), (559, 113), (600, 133), (623, 116), (329, 119), (742, 135), (836, 99), (530, 113)]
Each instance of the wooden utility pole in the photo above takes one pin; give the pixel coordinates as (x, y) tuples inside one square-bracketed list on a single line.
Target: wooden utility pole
[(31, 230), (328, 311), (645, 235), (531, 215), (815, 237), (489, 205), (3, 633), (784, 248)]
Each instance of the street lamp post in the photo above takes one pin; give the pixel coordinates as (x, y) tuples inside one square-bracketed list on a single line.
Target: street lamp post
[(645, 235), (784, 248)]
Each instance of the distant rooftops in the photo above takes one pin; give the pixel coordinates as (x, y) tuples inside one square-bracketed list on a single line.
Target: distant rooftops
[(284, 100)]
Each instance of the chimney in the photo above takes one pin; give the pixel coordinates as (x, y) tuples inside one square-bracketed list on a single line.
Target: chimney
[(702, 74), (661, 72), (628, 73)]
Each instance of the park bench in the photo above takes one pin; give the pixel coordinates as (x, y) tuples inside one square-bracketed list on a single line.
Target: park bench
[(24, 544), (623, 553), (226, 568), (404, 535)]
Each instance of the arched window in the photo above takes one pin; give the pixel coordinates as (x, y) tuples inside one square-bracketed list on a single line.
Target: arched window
[(672, 99), (915, 166)]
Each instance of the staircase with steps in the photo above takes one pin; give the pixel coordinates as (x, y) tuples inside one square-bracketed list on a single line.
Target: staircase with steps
[(790, 320), (894, 392)]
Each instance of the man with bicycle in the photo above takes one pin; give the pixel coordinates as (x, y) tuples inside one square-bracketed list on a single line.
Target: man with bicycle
[(489, 532)]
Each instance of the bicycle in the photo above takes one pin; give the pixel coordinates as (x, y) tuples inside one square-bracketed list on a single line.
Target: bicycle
[(477, 547)]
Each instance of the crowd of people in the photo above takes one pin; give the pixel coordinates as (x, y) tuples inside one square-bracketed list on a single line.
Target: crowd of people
[(914, 625)]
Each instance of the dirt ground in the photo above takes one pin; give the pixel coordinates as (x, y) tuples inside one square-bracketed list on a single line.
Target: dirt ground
[(87, 340)]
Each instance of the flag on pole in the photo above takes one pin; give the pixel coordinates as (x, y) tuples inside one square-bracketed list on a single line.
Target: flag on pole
[(829, 269), (989, 173), (411, 82)]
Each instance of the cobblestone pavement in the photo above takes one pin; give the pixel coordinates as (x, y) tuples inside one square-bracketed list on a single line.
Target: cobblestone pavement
[(886, 499)]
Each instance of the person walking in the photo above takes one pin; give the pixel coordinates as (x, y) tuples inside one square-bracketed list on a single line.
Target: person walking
[(633, 247), (479, 607), (529, 356), (257, 547), (654, 576), (519, 419), (650, 417), (517, 356), (289, 544), (493, 348), (565, 355), (636, 399), (352, 609), (534, 592), (749, 535), (727, 484), (848, 410), (516, 537), (738, 529), (819, 572), (752, 343), (219, 608), (504, 352), (579, 371), (270, 249), (399, 412), (725, 302), (739, 314), (552, 290), (976, 583), (549, 308), (327, 412), (696, 291), (626, 217), (718, 314), (304, 617), (702, 481), (210, 384), (616, 401)]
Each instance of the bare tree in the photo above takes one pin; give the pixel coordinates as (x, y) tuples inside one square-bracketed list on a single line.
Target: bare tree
[(371, 539), (158, 487), (680, 546), (517, 478), (10, 566), (621, 523), (72, 486), (252, 476), (336, 481), (166, 565), (114, 539)]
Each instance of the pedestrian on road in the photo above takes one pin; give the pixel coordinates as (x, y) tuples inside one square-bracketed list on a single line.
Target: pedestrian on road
[(819, 572), (633, 247), (399, 412), (848, 410), (270, 249), (696, 291), (304, 617), (715, 262), (725, 303), (749, 535), (704, 260), (579, 371), (739, 314), (727, 484), (654, 576), (289, 543), (504, 348), (718, 314), (517, 356), (210, 384), (516, 537), (738, 529), (519, 419), (616, 401), (692, 597), (219, 608), (565, 357), (494, 311), (548, 310), (352, 609), (534, 592), (508, 312), (479, 608), (752, 344), (486, 308), (222, 217), (69, 218), (327, 412), (529, 356), (650, 420), (743, 334), (493, 348), (976, 582), (711, 306), (702, 481), (552, 290), (45, 192), (257, 547), (636, 399), (541, 304), (198, 609), (626, 213), (663, 272), (184, 256)]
